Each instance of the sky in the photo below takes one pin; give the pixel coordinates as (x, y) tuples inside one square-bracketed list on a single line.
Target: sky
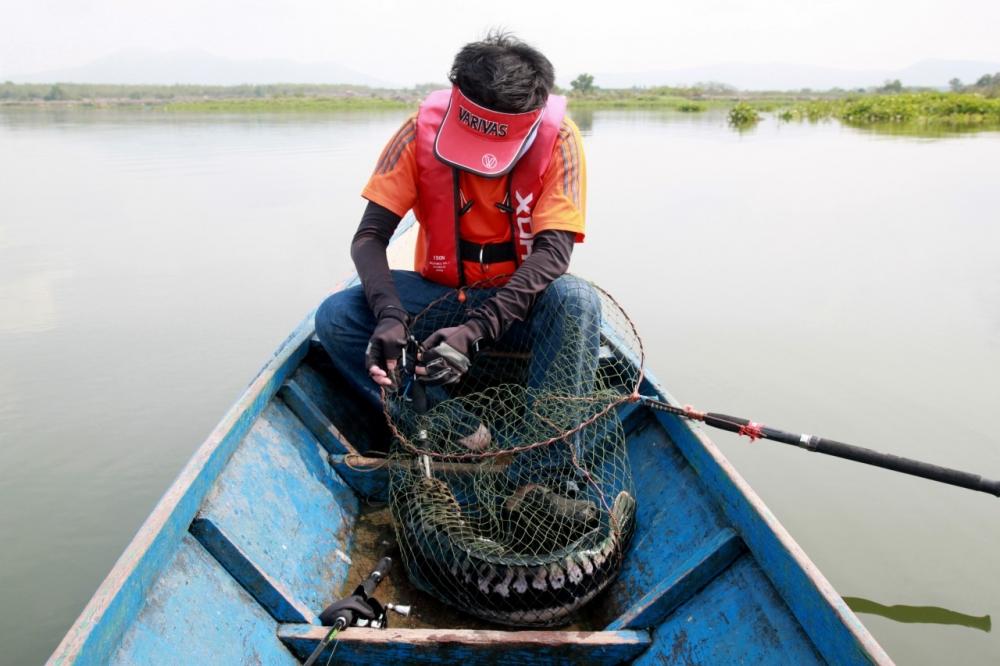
[(410, 42)]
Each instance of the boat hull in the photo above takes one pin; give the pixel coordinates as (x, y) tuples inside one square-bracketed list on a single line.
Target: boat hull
[(265, 526)]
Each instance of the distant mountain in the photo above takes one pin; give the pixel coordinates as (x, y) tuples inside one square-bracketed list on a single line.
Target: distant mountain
[(138, 66), (785, 76)]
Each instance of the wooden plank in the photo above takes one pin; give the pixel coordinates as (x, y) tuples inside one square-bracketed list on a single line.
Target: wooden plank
[(272, 595), (354, 418), (368, 477), (194, 613), (705, 563), (833, 627), (309, 413), (738, 618), (456, 646), (98, 630), (282, 518)]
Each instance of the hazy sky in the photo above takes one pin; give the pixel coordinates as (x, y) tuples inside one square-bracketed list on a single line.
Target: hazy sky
[(411, 42)]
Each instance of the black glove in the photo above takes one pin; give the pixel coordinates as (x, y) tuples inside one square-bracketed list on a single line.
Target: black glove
[(350, 609), (388, 339), (448, 352)]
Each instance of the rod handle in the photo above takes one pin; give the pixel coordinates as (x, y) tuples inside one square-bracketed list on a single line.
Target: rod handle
[(380, 572)]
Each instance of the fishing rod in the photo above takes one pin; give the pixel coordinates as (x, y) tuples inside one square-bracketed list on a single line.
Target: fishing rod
[(830, 447), (359, 609)]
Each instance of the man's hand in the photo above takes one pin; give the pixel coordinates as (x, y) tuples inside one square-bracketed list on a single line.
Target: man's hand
[(447, 353), (384, 349)]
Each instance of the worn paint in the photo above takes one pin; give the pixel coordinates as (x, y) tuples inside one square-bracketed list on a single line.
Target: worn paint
[(456, 646), (288, 515), (302, 404), (704, 564), (738, 618), (676, 515), (196, 614)]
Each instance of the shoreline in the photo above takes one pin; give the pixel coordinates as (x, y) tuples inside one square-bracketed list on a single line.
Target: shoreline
[(914, 109)]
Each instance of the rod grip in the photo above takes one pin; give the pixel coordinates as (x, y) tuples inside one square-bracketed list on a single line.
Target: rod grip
[(725, 422)]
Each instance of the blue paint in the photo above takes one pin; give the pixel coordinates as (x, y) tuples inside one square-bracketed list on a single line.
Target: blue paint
[(271, 594), (631, 414), (299, 401), (737, 619), (704, 564), (351, 418), (196, 614), (675, 516), (287, 513)]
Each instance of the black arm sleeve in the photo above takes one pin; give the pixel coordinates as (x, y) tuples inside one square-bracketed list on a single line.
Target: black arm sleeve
[(548, 260), (368, 252)]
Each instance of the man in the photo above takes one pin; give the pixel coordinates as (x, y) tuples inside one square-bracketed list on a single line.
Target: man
[(494, 172)]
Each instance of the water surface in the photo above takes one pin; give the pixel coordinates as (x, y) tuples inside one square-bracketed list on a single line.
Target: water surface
[(814, 277)]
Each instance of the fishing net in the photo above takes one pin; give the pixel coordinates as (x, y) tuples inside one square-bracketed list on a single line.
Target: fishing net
[(510, 491)]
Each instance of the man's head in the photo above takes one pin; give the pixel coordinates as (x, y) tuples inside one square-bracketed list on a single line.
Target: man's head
[(503, 73)]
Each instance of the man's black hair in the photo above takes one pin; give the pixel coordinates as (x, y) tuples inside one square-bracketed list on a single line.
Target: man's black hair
[(503, 73)]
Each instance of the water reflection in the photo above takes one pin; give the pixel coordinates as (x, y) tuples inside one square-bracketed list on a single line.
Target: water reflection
[(919, 614)]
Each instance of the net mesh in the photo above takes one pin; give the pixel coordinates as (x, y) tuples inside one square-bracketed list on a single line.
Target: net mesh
[(510, 491)]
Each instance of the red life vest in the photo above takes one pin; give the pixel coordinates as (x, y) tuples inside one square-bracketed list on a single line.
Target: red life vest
[(440, 205)]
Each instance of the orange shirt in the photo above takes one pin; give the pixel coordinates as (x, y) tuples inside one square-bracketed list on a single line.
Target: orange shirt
[(561, 205)]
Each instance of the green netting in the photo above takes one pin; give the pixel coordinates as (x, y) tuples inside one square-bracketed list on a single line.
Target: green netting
[(511, 495)]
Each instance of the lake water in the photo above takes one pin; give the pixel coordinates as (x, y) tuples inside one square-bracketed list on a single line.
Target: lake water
[(813, 277)]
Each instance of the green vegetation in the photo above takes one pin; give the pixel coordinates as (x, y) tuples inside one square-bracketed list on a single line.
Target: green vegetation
[(892, 105), (290, 104), (692, 107), (743, 115), (274, 97), (923, 108)]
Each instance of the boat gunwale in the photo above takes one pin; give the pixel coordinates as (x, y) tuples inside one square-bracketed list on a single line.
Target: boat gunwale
[(865, 641)]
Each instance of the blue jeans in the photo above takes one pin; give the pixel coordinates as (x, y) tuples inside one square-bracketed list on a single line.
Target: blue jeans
[(344, 324)]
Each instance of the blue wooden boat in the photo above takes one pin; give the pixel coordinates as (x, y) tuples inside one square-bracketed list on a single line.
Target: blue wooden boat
[(269, 522)]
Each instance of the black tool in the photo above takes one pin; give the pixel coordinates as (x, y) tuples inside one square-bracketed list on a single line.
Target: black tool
[(360, 609)]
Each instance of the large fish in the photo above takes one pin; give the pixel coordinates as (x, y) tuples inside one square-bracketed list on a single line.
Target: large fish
[(446, 557)]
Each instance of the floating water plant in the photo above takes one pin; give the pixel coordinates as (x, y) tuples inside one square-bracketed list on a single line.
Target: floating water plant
[(743, 115)]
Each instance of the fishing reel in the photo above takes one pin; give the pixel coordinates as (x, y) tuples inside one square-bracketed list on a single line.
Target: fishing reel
[(413, 391), (360, 609)]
